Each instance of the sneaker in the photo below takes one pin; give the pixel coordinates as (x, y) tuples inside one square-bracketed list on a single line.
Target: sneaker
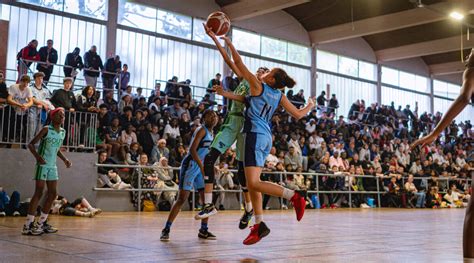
[(47, 228), (205, 234), (31, 230), (257, 232), (221, 207), (299, 203), (207, 211), (96, 211), (3, 214), (364, 205), (165, 234), (267, 208), (284, 207), (88, 214), (245, 220), (16, 213)]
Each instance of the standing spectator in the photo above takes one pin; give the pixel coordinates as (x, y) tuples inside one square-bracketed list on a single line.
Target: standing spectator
[(299, 99), (321, 100), (124, 77), (27, 53), (157, 93), (112, 67), (73, 62), (21, 98), (212, 83), (41, 97), (333, 104), (92, 65), (65, 97), (48, 55), (171, 89), (4, 109), (184, 91)]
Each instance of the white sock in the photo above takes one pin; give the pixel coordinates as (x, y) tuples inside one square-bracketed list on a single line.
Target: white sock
[(30, 219), (43, 218), (258, 219), (248, 206), (287, 193), (207, 198)]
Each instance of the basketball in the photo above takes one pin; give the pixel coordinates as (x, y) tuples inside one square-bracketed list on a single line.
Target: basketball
[(218, 22)]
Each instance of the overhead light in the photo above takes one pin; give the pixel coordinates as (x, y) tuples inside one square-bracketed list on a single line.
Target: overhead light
[(456, 15)]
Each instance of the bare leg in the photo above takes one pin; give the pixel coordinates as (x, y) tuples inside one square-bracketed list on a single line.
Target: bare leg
[(39, 188), (52, 194), (468, 233), (182, 197), (253, 182)]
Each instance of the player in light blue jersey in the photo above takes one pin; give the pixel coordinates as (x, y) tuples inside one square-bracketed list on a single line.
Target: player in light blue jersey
[(265, 96), (192, 173)]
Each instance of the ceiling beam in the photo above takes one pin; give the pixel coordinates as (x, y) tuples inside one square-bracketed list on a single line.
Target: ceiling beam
[(246, 9), (446, 68), (389, 22), (424, 48)]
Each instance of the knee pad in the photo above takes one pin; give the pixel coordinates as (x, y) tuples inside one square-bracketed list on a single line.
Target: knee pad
[(241, 177), (209, 161)]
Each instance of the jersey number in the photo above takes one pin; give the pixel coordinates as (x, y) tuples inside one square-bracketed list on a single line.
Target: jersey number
[(265, 111)]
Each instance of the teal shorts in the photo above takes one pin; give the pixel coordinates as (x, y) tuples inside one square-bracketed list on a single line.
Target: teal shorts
[(46, 173), (230, 132)]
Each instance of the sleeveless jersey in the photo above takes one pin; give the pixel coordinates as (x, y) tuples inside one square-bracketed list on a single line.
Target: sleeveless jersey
[(50, 145), (242, 89), (260, 110), (203, 147)]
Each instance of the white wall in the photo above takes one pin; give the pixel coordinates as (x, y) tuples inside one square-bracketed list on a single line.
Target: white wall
[(453, 78), (356, 48)]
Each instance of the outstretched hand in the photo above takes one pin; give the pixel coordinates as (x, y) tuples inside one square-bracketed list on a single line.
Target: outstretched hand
[(426, 140), (209, 31)]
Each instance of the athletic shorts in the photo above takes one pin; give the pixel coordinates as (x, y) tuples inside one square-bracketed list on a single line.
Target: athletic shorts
[(257, 148), (46, 173), (190, 177), (230, 131)]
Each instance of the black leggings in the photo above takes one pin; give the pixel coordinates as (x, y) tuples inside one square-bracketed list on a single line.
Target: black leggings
[(209, 162)]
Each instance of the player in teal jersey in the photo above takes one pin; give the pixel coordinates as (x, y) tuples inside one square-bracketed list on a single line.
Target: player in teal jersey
[(230, 132), (52, 137)]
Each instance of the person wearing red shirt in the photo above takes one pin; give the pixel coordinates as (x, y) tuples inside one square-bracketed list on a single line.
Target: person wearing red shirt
[(29, 52)]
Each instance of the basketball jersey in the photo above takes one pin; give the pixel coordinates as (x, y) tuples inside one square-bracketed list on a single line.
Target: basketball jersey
[(242, 89), (260, 110), (203, 147), (50, 145)]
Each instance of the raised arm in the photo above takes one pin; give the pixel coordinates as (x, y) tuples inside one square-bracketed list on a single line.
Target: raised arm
[(458, 105), (224, 54), (255, 85), (230, 95), (295, 112)]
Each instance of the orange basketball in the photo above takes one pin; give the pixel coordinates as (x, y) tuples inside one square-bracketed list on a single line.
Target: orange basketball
[(218, 22)]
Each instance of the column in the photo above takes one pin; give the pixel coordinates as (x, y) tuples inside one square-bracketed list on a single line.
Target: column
[(112, 16), (379, 84), (314, 73)]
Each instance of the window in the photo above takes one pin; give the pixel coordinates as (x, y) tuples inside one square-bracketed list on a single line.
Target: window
[(50, 4), (246, 41), (407, 80), (367, 71), (299, 54), (390, 76), (90, 8), (137, 16), (200, 35), (274, 48), (422, 84), (403, 98), (173, 24), (445, 89), (326, 61), (348, 66)]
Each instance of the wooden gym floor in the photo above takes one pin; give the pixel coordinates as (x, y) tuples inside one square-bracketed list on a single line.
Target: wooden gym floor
[(342, 235)]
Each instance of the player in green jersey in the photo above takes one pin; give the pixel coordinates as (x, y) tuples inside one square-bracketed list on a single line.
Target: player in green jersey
[(52, 137), (230, 132)]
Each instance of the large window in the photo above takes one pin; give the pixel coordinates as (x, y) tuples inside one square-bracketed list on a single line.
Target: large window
[(442, 105), (246, 41), (445, 89), (405, 80), (327, 61), (390, 76), (90, 8), (401, 98), (274, 48), (299, 54), (346, 66)]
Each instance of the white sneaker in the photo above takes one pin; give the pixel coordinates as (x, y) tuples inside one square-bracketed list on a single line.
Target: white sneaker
[(284, 207), (267, 208), (2, 214), (364, 206), (16, 213)]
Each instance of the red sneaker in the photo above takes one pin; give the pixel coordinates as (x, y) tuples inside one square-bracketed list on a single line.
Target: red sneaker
[(299, 203), (257, 232)]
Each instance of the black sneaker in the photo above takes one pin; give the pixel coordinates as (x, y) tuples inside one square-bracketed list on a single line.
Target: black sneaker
[(245, 220), (204, 234), (31, 230), (207, 211), (165, 234), (47, 228)]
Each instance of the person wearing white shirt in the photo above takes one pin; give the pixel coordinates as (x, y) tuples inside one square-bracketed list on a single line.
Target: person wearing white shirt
[(41, 101), (272, 160), (311, 126), (336, 160), (21, 98), (172, 129)]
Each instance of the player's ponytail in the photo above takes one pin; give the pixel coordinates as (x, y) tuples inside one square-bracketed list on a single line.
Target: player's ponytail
[(282, 79)]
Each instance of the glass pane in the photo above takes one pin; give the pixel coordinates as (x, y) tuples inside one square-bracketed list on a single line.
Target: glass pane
[(453, 91), (390, 95), (390, 76), (174, 24), (91, 8), (299, 54), (137, 16), (51, 4), (422, 84), (407, 80), (200, 35), (274, 48), (367, 71), (326, 61), (348, 66), (5, 12), (246, 41)]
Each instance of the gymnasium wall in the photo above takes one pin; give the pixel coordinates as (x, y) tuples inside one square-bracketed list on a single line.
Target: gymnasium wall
[(3, 43), (355, 48)]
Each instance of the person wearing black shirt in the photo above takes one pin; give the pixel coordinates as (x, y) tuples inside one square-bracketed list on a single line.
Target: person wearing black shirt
[(92, 65), (65, 97), (48, 55), (4, 108), (111, 103), (112, 66), (74, 61), (171, 90), (333, 104), (321, 99)]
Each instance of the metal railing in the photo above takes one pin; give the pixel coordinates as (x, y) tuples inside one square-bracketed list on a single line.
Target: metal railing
[(314, 176), (18, 127)]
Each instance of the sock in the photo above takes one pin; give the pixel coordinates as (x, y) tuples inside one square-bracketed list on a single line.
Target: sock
[(168, 224), (203, 226), (248, 206), (207, 198), (288, 194), (258, 219), (30, 219), (43, 218)]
